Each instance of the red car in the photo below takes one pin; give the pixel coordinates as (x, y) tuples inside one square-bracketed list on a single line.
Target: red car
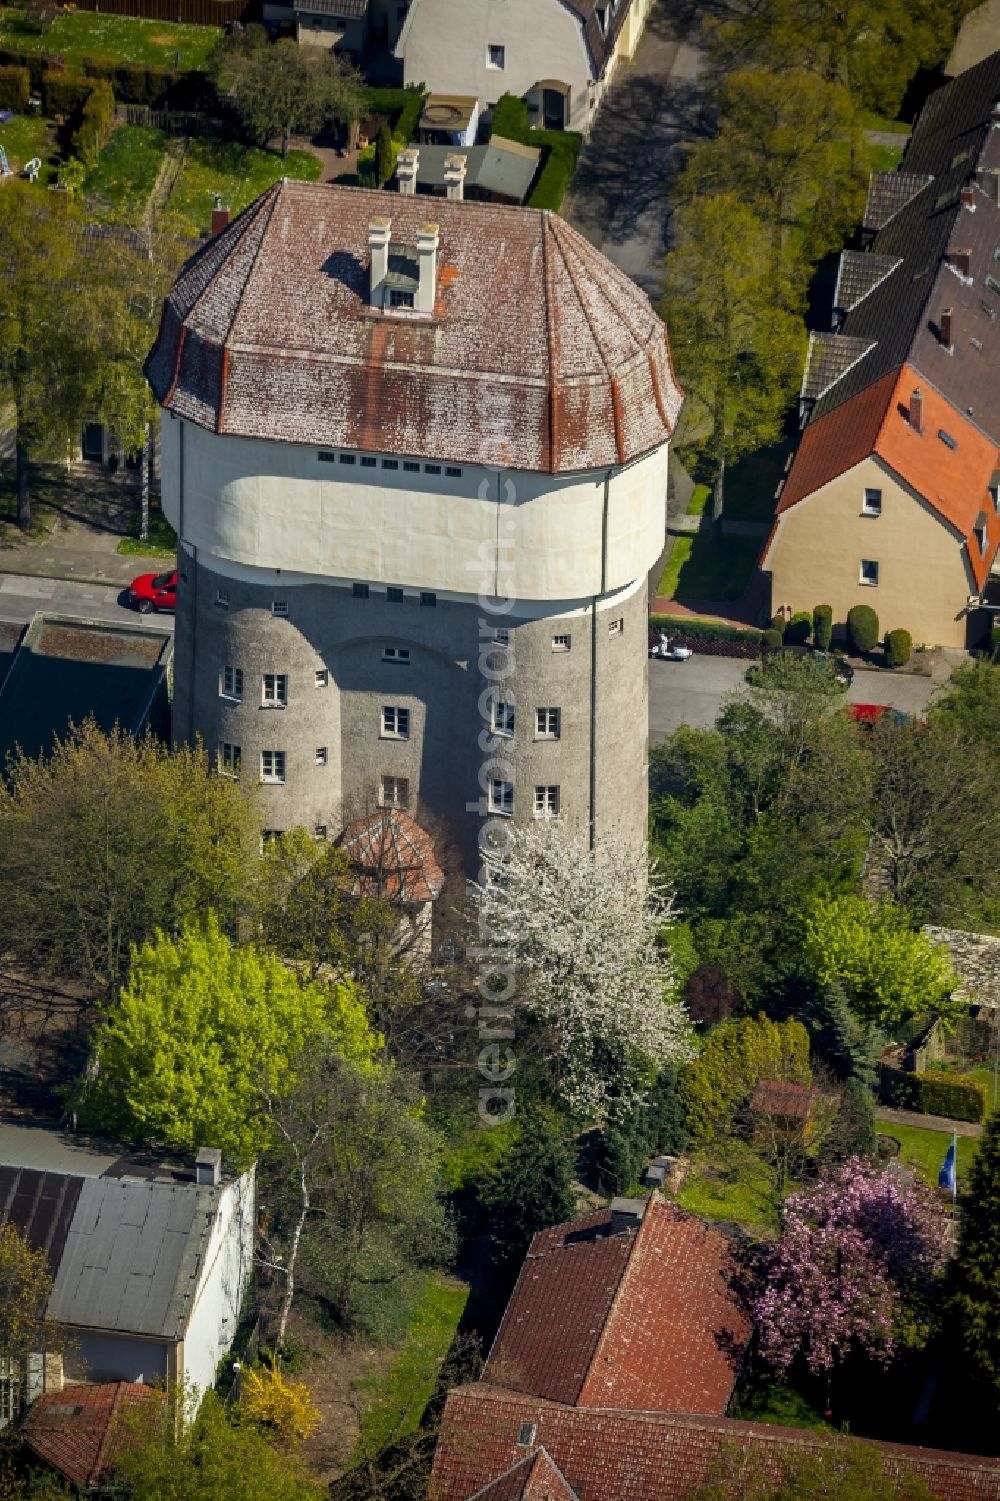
[(153, 591)]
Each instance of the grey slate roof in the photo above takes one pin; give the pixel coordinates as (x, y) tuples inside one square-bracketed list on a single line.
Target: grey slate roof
[(860, 274), (350, 10), (976, 959), (503, 167), (888, 192), (829, 359)]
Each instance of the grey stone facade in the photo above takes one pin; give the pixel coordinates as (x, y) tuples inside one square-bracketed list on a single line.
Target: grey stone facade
[(598, 687)]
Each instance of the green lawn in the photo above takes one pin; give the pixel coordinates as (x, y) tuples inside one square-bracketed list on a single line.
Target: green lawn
[(399, 1397), (699, 500), (679, 555), (75, 35), (161, 542), (871, 121), (733, 1184), (710, 567), (125, 172), (925, 1150), (28, 136), (769, 1401), (239, 174)]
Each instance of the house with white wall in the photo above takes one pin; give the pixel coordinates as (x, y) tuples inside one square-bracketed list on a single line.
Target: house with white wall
[(150, 1260), (557, 55)]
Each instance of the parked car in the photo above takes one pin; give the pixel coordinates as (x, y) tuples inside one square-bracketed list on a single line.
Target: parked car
[(666, 650), (153, 591), (869, 714)]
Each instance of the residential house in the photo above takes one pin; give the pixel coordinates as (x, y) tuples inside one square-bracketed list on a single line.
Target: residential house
[(611, 1374), (393, 858), (891, 499), (558, 55), (150, 1259), (336, 25), (82, 1431)]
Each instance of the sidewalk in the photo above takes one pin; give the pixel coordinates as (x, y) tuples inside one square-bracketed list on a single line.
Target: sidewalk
[(927, 1122), (56, 559)]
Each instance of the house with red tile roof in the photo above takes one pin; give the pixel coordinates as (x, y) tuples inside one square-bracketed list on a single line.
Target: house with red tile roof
[(82, 1430), (632, 1307), (892, 496)]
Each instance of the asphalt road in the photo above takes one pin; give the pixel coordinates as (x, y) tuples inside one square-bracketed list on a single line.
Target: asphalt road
[(21, 596), (693, 692)]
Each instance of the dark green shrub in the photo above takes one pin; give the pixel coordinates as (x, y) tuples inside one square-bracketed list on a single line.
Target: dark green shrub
[(898, 648), (853, 1131), (862, 628), (384, 156), (823, 626), (799, 629), (15, 86), (691, 628), (560, 149), (95, 123), (36, 63), (509, 118), (772, 639), (778, 623), (65, 93), (950, 1095), (995, 637)]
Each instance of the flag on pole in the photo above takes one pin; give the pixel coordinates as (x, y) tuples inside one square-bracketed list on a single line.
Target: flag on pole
[(948, 1176)]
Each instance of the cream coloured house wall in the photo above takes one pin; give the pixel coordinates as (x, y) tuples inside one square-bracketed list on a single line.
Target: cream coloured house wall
[(278, 505), (815, 558), (444, 45)]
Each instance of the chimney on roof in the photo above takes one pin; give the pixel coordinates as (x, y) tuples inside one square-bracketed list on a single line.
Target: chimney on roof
[(917, 410), (961, 261), (968, 197), (208, 1166), (378, 242), (406, 169), (626, 1214), (454, 175), (427, 249), (220, 216), (945, 328)]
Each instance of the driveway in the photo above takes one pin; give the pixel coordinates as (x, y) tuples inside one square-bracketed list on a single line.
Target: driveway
[(693, 692), (618, 197)]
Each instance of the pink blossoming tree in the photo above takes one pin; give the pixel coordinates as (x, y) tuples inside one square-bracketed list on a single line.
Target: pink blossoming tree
[(857, 1259)]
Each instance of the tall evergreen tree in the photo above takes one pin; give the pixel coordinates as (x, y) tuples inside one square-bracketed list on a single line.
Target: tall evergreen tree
[(975, 1301), (532, 1189)]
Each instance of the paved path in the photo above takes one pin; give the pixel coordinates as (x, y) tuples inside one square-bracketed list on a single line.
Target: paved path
[(618, 197), (54, 559), (926, 1122), (21, 596)]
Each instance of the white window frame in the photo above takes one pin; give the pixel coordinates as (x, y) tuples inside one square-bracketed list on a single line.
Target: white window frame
[(869, 583), (502, 718), (274, 690), (321, 677), (228, 759), (544, 730), (395, 722), (501, 48), (616, 626), (273, 767), (867, 507), (501, 797), (388, 783), (322, 755), (547, 800), (562, 641), (279, 607), (398, 655), (231, 683)]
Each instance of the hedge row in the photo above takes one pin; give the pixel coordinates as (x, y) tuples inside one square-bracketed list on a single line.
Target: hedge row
[(693, 629), (401, 107), (15, 86), (65, 93), (133, 83), (560, 149), (934, 1094), (95, 124)]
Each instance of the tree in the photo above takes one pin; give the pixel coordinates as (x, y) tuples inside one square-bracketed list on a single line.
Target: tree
[(831, 1471), (852, 1133), (25, 1285), (110, 838), (975, 1298), (201, 1033), (736, 1056), (780, 146), (43, 310), (385, 162), (532, 1188), (888, 971), (583, 927), (854, 1269), (736, 328), (862, 629), (969, 703), (281, 88), (351, 1180), (213, 1455)]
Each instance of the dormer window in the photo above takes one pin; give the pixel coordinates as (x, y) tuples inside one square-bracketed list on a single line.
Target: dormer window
[(981, 532), (399, 297), (602, 20), (403, 276)]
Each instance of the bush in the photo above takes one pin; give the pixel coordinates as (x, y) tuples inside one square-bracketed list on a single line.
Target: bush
[(693, 629), (823, 626), (772, 639), (778, 624), (898, 648), (862, 628), (947, 1094), (736, 1056), (799, 629), (401, 107), (995, 637), (509, 118), (560, 149), (385, 156), (654, 1126), (15, 86), (35, 62), (65, 93), (137, 84), (95, 123)]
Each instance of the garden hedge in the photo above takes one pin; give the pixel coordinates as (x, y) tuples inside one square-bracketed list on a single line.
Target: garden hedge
[(402, 108), (778, 623), (560, 149), (948, 1095), (898, 648), (862, 628), (65, 93), (823, 626), (693, 629), (799, 629), (15, 86), (37, 63), (95, 124)]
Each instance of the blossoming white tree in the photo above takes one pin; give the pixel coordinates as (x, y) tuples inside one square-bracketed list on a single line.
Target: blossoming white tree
[(583, 929)]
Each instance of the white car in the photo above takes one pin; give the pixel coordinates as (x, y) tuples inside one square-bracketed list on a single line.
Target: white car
[(668, 651)]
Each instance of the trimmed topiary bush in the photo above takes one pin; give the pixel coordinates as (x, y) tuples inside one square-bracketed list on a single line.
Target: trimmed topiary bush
[(823, 626), (771, 639), (898, 648), (778, 623), (799, 629), (862, 629)]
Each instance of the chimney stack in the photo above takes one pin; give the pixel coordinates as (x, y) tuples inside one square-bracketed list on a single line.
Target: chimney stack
[(917, 410), (961, 261), (406, 169), (968, 197), (427, 248), (220, 216), (945, 328), (378, 242), (208, 1166), (454, 175)]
